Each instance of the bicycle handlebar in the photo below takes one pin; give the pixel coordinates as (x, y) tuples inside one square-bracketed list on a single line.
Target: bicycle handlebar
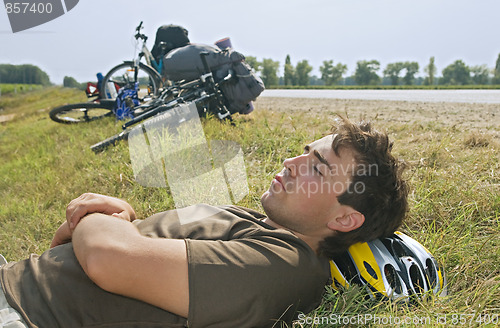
[(138, 34)]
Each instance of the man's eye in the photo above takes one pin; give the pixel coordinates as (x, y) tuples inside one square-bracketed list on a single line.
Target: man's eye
[(317, 170)]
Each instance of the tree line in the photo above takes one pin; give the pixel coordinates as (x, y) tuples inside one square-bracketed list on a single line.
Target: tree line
[(366, 73), (31, 74), (23, 74)]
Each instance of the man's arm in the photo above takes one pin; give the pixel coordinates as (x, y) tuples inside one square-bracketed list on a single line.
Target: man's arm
[(62, 235), (89, 203), (120, 260), (86, 204)]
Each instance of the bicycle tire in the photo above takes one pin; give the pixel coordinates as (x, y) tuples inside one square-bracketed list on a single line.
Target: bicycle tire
[(111, 141), (81, 112), (150, 81)]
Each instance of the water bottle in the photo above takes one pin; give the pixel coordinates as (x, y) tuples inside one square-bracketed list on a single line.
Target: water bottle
[(111, 90)]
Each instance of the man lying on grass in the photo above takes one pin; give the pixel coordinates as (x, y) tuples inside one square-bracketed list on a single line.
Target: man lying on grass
[(205, 266)]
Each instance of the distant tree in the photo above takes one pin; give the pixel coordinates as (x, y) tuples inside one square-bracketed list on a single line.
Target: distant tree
[(25, 74), (338, 72), (326, 71), (496, 72), (349, 80), (431, 71), (480, 74), (69, 82), (392, 71), (411, 70), (456, 74), (419, 80), (269, 72), (332, 74), (314, 80), (365, 73), (289, 77), (302, 71), (252, 61)]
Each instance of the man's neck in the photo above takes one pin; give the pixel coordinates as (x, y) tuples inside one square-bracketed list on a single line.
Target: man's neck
[(310, 241)]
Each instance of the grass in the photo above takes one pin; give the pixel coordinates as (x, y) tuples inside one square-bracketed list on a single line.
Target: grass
[(7, 88), (453, 173)]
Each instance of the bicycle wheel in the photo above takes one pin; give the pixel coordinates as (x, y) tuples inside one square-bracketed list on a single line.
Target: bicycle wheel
[(81, 112), (149, 81)]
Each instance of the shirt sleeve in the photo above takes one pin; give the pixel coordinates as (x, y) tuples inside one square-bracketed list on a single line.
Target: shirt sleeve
[(252, 282)]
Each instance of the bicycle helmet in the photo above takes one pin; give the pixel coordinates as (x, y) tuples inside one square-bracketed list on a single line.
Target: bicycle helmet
[(396, 267)]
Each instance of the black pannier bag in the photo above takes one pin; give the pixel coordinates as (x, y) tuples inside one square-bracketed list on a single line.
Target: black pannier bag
[(185, 64), (173, 36)]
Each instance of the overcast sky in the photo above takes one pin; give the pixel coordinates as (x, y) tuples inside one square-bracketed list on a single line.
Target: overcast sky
[(98, 34)]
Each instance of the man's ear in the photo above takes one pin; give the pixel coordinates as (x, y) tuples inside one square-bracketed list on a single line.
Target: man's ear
[(347, 222)]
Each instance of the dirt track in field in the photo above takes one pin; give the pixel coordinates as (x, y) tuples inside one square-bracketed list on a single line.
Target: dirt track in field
[(483, 117)]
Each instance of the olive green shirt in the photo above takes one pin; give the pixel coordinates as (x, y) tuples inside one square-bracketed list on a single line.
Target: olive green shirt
[(242, 273)]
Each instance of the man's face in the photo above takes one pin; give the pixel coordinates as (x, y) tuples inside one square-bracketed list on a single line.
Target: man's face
[(303, 196)]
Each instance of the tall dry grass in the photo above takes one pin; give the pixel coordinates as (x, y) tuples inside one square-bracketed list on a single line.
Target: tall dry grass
[(453, 172)]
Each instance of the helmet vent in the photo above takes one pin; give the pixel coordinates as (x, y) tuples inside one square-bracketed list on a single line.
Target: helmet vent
[(416, 279), (346, 266), (370, 270), (399, 250), (430, 270), (392, 279)]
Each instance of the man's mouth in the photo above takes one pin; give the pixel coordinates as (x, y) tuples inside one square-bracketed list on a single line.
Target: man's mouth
[(279, 180)]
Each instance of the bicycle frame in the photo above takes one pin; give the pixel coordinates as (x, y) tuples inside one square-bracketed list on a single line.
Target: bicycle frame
[(145, 52), (204, 92), (148, 57), (135, 70), (201, 94)]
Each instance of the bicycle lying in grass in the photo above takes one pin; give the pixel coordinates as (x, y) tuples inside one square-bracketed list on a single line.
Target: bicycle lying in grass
[(147, 75), (204, 92), (218, 82)]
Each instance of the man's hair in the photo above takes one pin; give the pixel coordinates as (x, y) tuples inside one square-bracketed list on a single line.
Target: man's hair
[(377, 189)]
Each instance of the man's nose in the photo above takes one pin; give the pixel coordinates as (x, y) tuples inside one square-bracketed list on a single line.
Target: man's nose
[(293, 164)]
